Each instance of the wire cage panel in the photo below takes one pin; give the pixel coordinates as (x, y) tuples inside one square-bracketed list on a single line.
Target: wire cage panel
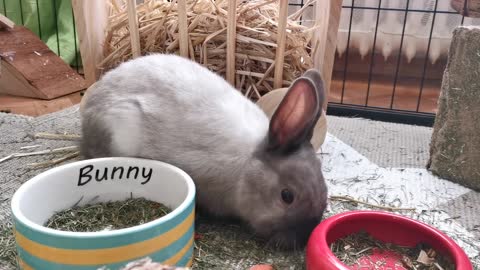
[(395, 21), (390, 58)]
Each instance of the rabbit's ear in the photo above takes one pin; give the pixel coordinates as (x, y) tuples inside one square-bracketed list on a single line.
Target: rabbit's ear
[(317, 80), (293, 121)]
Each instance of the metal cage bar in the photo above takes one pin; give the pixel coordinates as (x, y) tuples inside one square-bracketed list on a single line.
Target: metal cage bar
[(399, 56), (372, 59)]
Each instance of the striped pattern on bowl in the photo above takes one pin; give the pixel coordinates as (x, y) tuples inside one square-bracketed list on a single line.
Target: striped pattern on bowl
[(170, 244)]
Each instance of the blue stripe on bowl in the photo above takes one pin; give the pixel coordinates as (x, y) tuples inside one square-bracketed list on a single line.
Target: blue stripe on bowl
[(95, 242), (186, 258), (161, 255)]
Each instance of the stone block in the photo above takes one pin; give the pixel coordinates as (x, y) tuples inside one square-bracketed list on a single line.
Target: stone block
[(455, 144)]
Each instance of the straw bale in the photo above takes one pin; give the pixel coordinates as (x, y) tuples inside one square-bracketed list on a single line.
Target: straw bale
[(256, 35)]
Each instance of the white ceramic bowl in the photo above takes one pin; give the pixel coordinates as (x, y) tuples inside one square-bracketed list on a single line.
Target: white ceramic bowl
[(168, 239)]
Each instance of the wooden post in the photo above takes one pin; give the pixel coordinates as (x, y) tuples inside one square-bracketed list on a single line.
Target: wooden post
[(280, 52), (133, 25), (327, 15), (231, 40), (90, 21), (183, 27)]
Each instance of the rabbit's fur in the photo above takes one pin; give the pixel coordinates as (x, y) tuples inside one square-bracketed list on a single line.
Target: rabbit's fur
[(168, 108)]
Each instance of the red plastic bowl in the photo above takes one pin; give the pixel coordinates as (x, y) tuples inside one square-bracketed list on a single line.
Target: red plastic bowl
[(383, 226)]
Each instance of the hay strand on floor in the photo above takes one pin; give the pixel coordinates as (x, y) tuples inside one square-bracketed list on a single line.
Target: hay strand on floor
[(43, 152), (8, 253), (52, 136), (388, 208), (54, 162)]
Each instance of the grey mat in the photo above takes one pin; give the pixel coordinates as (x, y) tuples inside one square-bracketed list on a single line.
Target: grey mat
[(388, 145), (402, 146), (18, 131)]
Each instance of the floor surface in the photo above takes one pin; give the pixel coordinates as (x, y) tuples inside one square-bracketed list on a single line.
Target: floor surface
[(382, 163)]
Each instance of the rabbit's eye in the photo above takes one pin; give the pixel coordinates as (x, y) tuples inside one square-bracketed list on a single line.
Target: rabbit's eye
[(287, 196)]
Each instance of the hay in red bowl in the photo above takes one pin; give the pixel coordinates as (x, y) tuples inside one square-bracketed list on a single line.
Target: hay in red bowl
[(384, 227)]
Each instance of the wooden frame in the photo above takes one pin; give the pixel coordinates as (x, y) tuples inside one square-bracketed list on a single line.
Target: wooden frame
[(327, 13), (91, 18), (90, 21)]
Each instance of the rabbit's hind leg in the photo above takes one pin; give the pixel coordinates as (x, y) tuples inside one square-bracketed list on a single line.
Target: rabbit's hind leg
[(116, 132)]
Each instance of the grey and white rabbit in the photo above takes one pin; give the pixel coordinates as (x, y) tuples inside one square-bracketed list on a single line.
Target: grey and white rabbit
[(168, 108)]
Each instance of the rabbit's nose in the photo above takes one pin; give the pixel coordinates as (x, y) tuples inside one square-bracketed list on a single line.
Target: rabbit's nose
[(317, 220), (310, 224), (303, 230)]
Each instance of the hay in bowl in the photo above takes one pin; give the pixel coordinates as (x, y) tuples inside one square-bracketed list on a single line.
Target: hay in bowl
[(257, 30), (107, 216), (164, 237), (360, 250), (380, 239)]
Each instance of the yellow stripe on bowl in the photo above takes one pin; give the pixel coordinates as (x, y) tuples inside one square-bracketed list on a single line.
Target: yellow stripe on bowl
[(107, 255)]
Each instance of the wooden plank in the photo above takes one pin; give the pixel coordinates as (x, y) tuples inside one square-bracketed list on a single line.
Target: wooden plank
[(183, 27), (133, 27), (30, 68), (36, 107), (6, 22), (13, 83), (91, 21), (380, 95), (414, 69), (231, 40), (327, 15), (281, 39)]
